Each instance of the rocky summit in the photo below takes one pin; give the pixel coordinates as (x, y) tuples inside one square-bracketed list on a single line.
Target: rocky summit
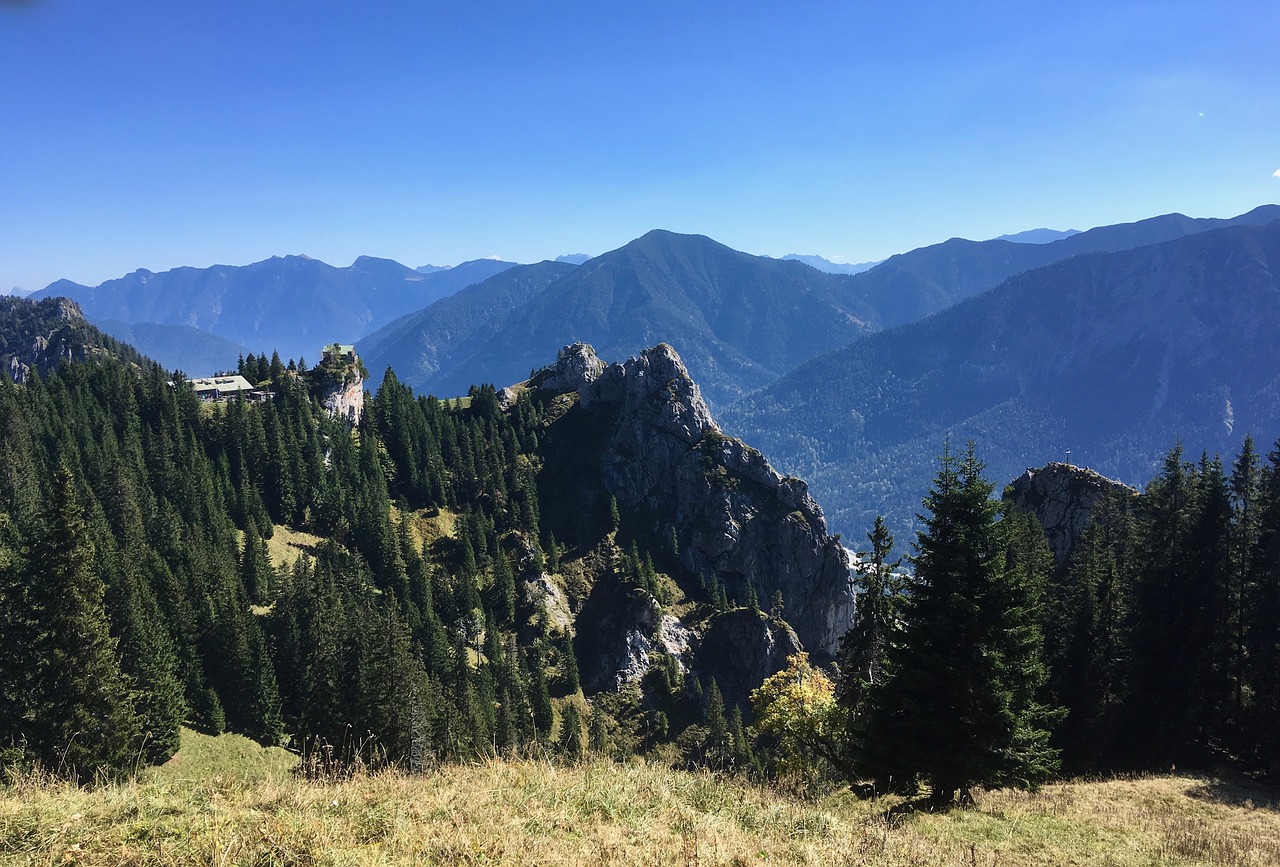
[(731, 517), (1062, 498)]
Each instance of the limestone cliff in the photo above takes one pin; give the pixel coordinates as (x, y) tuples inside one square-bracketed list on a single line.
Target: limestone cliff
[(744, 647), (1062, 497), (345, 400), (734, 518), (338, 380)]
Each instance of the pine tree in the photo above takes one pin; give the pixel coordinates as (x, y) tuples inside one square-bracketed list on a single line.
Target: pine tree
[(571, 732), (959, 707), (82, 718), (719, 751), (864, 647)]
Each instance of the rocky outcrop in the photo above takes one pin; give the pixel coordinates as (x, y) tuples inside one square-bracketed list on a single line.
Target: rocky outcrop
[(345, 400), (621, 631), (547, 595), (575, 367), (735, 519), (1062, 498), (744, 647), (40, 335)]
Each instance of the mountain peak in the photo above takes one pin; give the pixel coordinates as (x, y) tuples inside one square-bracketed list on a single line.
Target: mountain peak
[(1038, 236), (734, 517)]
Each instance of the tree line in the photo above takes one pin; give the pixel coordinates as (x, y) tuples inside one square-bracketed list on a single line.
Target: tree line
[(1155, 645), (138, 593)]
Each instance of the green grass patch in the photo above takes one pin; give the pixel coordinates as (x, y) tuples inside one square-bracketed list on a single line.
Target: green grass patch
[(286, 545), (228, 757)]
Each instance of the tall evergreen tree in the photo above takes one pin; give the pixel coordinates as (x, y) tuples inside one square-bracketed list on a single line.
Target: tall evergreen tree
[(1262, 633), (570, 741), (865, 646), (81, 716), (1088, 637), (959, 708)]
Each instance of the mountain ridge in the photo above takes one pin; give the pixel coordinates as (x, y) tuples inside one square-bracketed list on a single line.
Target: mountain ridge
[(294, 304), (1125, 353), (737, 320)]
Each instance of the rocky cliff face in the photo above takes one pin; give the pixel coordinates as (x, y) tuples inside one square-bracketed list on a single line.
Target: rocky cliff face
[(43, 334), (345, 400), (621, 631), (1062, 498), (734, 518)]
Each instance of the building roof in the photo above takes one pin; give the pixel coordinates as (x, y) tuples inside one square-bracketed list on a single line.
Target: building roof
[(223, 384)]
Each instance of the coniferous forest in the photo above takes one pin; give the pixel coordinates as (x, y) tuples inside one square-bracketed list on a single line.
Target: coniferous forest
[(139, 593)]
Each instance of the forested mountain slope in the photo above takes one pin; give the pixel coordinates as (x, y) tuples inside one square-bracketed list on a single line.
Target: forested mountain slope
[(913, 285), (467, 571), (179, 347), (422, 345), (737, 320), (926, 281), (1112, 356)]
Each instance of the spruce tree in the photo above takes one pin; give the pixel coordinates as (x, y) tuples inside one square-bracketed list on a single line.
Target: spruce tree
[(83, 718), (17, 629), (959, 707), (1088, 638), (1262, 633), (598, 731), (569, 675), (719, 751), (864, 647), (571, 732), (1245, 495)]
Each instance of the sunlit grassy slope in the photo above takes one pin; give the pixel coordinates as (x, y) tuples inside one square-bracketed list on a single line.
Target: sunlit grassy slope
[(226, 801)]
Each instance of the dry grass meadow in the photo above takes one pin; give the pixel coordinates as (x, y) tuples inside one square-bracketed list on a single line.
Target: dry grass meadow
[(225, 801)]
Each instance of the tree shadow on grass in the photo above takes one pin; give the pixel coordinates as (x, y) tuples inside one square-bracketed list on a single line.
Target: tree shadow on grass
[(1237, 792)]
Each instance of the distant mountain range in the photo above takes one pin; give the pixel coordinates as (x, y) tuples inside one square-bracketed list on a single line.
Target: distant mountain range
[(913, 285), (290, 304), (1111, 342), (829, 267), (738, 321), (1113, 356)]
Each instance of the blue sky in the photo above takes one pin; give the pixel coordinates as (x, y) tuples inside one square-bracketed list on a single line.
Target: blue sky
[(162, 134)]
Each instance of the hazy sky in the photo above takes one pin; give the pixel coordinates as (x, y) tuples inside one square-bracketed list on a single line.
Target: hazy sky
[(158, 134)]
